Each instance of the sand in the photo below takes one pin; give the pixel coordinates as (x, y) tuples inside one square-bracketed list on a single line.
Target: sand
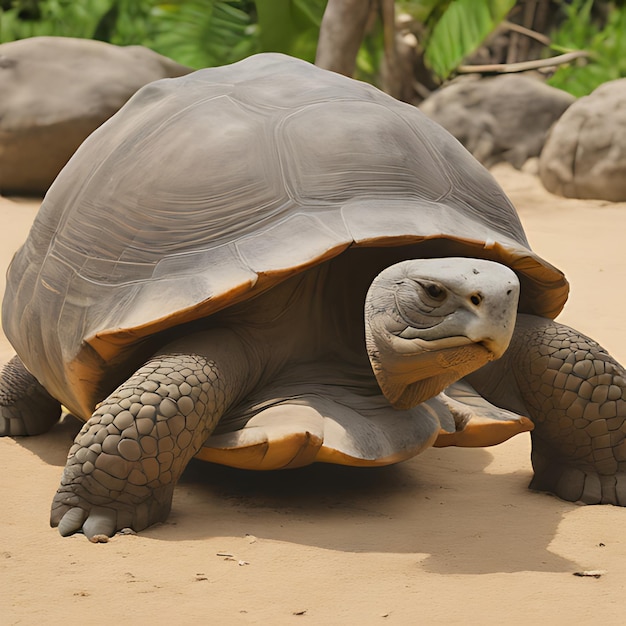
[(450, 537)]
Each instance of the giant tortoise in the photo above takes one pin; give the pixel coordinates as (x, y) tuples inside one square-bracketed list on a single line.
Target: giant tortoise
[(268, 264)]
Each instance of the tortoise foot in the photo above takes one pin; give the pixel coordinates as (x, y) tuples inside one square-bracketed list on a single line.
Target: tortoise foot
[(584, 485), (578, 480), (73, 512), (26, 408), (109, 482)]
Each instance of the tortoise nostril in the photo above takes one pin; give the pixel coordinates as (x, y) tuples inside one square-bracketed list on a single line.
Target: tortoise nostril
[(476, 299)]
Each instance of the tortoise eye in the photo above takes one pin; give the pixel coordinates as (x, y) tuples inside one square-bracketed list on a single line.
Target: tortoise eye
[(434, 291)]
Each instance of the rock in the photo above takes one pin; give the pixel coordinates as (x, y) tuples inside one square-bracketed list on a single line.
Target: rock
[(505, 118), (585, 154), (55, 92)]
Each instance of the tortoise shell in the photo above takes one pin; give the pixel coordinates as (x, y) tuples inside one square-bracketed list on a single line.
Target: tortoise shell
[(206, 190)]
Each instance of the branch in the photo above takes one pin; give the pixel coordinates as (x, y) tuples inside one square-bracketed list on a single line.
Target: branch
[(524, 66), (533, 34)]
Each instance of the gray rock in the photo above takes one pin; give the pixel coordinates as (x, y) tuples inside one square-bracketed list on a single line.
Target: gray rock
[(505, 118), (585, 155), (55, 92)]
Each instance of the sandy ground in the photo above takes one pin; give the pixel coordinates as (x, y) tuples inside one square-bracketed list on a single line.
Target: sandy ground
[(451, 537)]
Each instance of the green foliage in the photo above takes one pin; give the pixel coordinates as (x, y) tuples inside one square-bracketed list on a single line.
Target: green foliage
[(125, 22), (371, 55), (606, 45), (203, 33), (458, 29), (423, 10), (455, 28), (65, 18), (198, 33), (290, 26)]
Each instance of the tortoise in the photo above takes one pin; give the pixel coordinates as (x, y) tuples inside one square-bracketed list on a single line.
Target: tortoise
[(266, 265)]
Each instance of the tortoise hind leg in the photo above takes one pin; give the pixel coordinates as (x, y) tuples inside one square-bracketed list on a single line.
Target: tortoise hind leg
[(26, 408), (575, 393)]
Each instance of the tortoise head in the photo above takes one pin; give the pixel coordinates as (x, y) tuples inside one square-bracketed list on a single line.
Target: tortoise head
[(429, 322)]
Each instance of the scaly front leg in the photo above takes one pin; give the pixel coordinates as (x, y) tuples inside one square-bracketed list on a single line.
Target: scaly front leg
[(575, 393), (124, 464)]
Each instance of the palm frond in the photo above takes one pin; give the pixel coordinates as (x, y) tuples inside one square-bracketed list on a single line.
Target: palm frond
[(204, 33), (460, 30)]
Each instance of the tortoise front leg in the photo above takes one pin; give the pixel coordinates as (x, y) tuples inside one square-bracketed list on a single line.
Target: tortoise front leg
[(124, 464), (575, 393)]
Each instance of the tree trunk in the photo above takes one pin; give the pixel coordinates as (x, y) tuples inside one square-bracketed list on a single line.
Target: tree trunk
[(341, 33)]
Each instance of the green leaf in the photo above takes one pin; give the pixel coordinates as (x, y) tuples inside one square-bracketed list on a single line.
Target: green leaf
[(427, 12), (203, 33), (605, 43), (53, 17), (460, 30), (290, 26)]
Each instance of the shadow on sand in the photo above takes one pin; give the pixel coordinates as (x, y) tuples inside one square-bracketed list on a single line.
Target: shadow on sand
[(441, 506)]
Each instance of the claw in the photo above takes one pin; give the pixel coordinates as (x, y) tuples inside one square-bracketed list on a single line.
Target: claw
[(71, 522), (97, 521), (100, 521), (571, 485)]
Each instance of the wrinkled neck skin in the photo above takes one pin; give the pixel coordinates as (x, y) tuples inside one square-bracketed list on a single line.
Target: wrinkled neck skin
[(313, 315)]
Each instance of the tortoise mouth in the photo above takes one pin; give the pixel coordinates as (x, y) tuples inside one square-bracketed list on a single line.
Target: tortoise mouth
[(492, 346), (435, 345)]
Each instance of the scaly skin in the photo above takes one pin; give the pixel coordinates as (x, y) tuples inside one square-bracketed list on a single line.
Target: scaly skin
[(575, 393), (126, 460), (26, 408)]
